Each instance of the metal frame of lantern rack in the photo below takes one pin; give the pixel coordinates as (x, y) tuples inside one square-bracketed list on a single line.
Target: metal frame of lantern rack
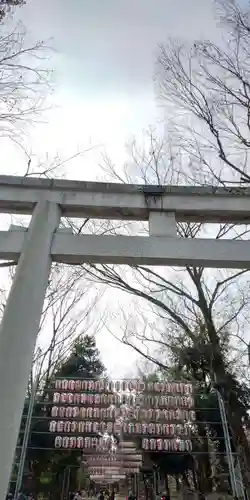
[(59, 398)]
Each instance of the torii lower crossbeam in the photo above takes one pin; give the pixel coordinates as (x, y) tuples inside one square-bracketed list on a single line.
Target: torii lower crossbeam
[(135, 250)]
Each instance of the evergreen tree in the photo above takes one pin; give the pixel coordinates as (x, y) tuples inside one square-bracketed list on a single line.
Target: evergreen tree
[(84, 360)]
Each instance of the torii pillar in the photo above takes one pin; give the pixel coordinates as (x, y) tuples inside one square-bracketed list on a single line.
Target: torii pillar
[(20, 326)]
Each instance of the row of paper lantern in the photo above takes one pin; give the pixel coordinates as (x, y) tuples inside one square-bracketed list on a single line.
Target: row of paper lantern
[(82, 398), (105, 462), (106, 480), (104, 458), (115, 428), (98, 471), (177, 444), (147, 444), (136, 386), (123, 456), (152, 414)]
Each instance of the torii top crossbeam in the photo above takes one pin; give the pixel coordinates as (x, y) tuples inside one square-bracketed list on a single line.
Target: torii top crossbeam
[(126, 201)]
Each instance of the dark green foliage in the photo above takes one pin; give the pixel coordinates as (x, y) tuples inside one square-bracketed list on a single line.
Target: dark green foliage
[(84, 360)]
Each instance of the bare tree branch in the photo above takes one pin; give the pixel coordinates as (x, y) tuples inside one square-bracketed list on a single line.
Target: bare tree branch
[(210, 83)]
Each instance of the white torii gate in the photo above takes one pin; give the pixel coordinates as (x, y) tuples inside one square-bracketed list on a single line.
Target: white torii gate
[(35, 249)]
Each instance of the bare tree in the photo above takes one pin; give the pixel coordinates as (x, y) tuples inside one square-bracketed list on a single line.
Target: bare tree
[(69, 313), (209, 86), (170, 305), (25, 82)]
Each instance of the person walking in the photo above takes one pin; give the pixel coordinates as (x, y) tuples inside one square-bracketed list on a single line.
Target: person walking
[(21, 496), (101, 496), (78, 496)]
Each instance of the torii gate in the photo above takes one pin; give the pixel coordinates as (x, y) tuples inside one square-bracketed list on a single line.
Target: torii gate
[(34, 249)]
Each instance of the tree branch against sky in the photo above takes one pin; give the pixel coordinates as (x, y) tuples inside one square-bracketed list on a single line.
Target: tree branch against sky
[(25, 82), (208, 85), (70, 311)]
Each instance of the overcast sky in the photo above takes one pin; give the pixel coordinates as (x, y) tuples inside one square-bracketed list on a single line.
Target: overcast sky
[(108, 47), (104, 62)]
